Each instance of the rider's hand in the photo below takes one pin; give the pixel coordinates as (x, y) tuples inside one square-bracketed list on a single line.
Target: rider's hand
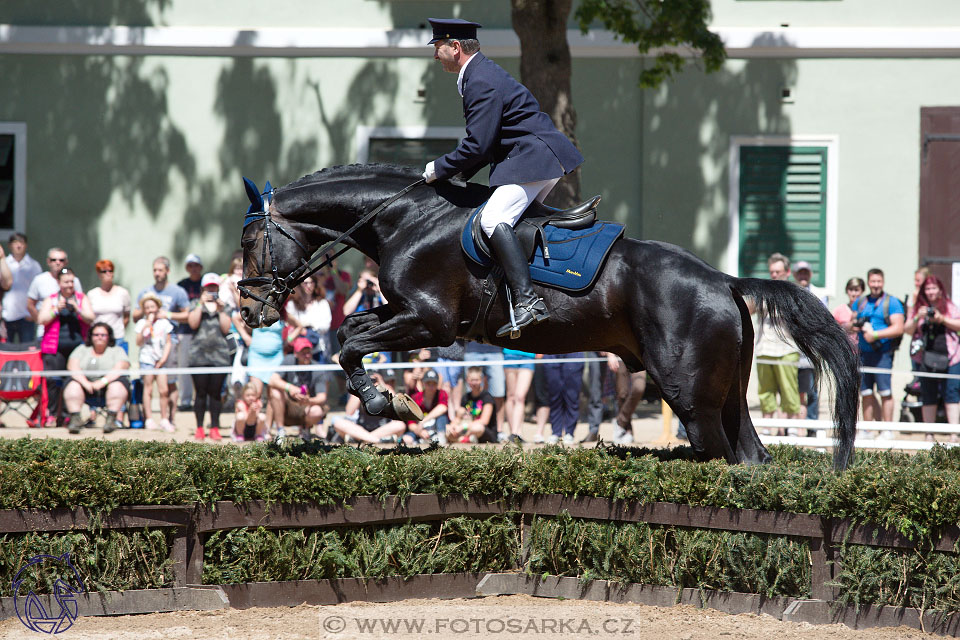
[(429, 173)]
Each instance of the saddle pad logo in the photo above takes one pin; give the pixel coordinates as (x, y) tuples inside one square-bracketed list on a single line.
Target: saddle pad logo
[(574, 273)]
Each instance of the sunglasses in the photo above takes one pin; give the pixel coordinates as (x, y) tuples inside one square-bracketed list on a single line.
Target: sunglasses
[(56, 259), (106, 270)]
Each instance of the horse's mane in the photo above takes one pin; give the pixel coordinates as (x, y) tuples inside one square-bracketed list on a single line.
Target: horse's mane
[(358, 171)]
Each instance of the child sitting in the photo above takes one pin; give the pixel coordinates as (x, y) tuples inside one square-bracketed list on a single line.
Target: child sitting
[(251, 420), (476, 419)]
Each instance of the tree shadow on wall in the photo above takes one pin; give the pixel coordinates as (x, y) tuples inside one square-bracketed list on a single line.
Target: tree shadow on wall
[(98, 127), (692, 118)]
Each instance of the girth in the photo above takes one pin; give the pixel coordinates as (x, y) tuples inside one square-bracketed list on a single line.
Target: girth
[(530, 227)]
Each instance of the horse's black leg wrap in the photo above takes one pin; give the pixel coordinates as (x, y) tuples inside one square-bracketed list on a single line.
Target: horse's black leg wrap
[(528, 308), (373, 400)]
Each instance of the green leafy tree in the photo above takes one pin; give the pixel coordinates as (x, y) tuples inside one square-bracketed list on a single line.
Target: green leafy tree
[(662, 26)]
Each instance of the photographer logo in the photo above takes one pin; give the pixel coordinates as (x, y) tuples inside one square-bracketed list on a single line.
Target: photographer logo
[(67, 586)]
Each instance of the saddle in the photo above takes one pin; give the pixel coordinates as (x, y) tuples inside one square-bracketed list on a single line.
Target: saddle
[(530, 228)]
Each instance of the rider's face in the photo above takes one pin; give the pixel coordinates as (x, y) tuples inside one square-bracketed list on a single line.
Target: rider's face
[(447, 54)]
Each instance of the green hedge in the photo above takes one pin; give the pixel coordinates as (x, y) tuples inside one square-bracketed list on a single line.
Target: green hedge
[(914, 494)]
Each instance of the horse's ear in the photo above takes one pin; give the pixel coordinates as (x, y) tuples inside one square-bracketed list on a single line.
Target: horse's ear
[(268, 190), (256, 200)]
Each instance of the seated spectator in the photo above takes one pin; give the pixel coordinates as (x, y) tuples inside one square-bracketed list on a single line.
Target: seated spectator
[(451, 376), (360, 425), (313, 315), (66, 316), (433, 402), (299, 397), (845, 314), (111, 303), (208, 347), (111, 388), (156, 345), (264, 355), (934, 322), (412, 376), (476, 419), (250, 421)]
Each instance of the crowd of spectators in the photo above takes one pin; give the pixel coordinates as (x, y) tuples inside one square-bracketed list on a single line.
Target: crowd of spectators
[(195, 323)]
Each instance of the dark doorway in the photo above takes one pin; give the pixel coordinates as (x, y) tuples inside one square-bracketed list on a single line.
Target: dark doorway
[(940, 190)]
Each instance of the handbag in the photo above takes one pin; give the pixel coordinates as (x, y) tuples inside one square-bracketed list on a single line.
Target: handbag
[(935, 362)]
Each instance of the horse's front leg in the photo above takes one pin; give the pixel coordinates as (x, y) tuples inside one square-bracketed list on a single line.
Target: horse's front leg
[(399, 331)]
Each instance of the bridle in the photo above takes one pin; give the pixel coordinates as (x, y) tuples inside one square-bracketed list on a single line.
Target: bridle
[(281, 287)]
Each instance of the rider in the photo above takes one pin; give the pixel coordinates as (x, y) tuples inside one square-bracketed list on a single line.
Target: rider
[(507, 130)]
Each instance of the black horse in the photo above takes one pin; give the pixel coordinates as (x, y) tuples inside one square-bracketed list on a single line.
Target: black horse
[(657, 306)]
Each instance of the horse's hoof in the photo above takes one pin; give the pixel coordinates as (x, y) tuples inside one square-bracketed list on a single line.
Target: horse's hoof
[(405, 408)]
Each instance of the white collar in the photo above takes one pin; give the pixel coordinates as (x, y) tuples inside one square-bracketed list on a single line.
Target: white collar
[(460, 77)]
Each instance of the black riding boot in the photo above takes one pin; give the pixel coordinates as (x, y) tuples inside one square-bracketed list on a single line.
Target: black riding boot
[(528, 308)]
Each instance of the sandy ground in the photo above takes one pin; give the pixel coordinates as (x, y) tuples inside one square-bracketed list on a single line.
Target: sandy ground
[(492, 617)]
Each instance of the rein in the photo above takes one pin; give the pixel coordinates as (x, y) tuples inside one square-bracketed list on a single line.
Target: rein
[(280, 287)]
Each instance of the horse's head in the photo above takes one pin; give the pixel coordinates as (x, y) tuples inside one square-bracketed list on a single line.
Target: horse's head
[(273, 248)]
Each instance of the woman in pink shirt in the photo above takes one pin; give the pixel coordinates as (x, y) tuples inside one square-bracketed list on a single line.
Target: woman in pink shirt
[(844, 314)]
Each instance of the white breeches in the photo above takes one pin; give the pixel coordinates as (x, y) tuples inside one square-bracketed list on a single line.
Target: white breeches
[(509, 201)]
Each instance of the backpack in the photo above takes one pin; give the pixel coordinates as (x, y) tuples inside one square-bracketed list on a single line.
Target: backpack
[(862, 304)]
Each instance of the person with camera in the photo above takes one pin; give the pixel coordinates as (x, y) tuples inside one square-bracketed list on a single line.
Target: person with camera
[(66, 317), (879, 323), (934, 322), (210, 324), (367, 295)]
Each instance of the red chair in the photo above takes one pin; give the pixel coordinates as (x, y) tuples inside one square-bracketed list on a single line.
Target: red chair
[(16, 392)]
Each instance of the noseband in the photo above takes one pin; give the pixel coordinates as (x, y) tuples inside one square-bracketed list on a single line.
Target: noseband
[(280, 287)]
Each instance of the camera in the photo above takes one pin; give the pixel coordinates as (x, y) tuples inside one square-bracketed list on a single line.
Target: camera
[(859, 322), (215, 295), (931, 313)]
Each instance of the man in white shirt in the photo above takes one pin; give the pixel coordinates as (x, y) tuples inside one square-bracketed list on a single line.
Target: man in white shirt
[(46, 284), (23, 269)]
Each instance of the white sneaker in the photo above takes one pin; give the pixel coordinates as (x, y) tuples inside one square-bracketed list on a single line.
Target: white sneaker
[(621, 435), (538, 439), (793, 431), (886, 435), (568, 438), (167, 426), (552, 439)]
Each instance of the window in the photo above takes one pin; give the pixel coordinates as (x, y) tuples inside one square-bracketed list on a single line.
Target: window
[(13, 166), (783, 200), (411, 146)]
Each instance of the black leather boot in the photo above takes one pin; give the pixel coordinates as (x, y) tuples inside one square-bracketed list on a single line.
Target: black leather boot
[(528, 308)]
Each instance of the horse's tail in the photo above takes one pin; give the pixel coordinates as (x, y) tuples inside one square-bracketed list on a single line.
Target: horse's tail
[(821, 339)]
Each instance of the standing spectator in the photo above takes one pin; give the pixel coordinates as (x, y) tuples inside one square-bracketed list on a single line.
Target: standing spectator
[(367, 295), (919, 276), (518, 378), (807, 382), (935, 321), (6, 281), (47, 284), (193, 287), (313, 314), (334, 285), (595, 375), (564, 380), (208, 348), (541, 401), (175, 308), (66, 316), (630, 390), (111, 303), (451, 376), (433, 402), (496, 384), (773, 344), (20, 323), (476, 419), (299, 397), (363, 427), (110, 389), (879, 323), (844, 314), (250, 421), (265, 354), (228, 287), (154, 337)]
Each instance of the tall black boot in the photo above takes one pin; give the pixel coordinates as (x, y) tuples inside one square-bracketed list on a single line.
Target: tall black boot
[(528, 308)]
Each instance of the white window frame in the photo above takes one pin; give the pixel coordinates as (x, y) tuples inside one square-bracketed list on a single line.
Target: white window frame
[(19, 132), (832, 144), (416, 132)]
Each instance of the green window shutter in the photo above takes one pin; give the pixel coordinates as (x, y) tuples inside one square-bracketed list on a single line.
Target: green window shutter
[(783, 207)]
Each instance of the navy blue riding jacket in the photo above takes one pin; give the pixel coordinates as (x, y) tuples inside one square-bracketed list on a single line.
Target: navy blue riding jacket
[(507, 130)]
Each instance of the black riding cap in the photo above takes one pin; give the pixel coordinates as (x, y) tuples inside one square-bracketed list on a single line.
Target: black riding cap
[(453, 29)]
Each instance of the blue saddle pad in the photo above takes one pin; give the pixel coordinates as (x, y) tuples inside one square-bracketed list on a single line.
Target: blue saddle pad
[(576, 256)]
